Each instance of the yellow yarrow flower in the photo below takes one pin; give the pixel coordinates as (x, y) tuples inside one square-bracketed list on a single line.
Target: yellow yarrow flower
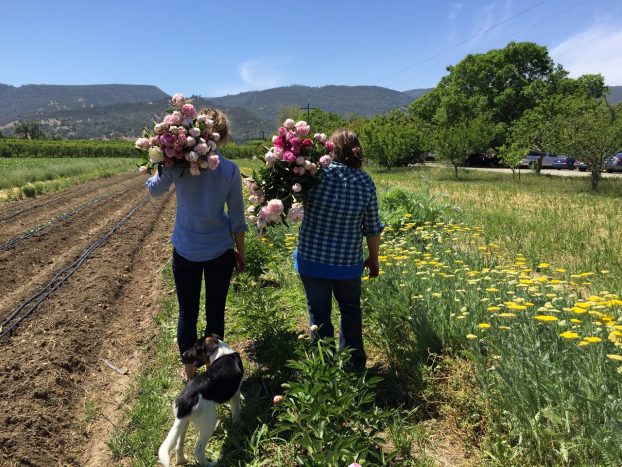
[(592, 339), (471, 336), (484, 325), (545, 318), (569, 335), (614, 357)]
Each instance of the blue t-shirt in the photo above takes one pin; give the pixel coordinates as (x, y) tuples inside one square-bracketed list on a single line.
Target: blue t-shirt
[(203, 230)]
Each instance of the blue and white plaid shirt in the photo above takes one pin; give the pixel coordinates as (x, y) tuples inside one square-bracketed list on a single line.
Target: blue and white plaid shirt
[(339, 211)]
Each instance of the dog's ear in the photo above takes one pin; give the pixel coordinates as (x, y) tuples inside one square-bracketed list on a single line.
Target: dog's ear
[(211, 344), (191, 354)]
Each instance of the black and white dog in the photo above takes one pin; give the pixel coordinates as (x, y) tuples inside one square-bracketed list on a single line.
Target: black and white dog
[(219, 383)]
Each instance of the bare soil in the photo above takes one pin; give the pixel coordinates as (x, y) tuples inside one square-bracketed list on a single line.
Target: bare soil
[(58, 400)]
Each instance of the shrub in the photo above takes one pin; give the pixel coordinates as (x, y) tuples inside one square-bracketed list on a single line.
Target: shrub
[(29, 190)]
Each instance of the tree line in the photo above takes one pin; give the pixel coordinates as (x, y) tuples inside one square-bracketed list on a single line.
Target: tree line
[(507, 102)]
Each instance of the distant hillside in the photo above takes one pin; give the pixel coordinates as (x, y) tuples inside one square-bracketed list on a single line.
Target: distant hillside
[(126, 120), (45, 98), (417, 93), (363, 100), (615, 94)]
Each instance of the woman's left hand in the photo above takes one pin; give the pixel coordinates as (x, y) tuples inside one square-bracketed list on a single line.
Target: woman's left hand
[(240, 261)]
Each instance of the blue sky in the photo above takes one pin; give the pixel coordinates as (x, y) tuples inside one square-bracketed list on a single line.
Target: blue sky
[(217, 48)]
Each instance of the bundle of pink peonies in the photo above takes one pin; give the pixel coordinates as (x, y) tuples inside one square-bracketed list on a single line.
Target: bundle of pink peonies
[(184, 138), (292, 166)]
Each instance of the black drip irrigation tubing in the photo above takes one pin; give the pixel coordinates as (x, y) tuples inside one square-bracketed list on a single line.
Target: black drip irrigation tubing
[(8, 244), (27, 307)]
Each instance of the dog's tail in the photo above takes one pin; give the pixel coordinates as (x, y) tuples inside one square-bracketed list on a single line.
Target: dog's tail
[(169, 442)]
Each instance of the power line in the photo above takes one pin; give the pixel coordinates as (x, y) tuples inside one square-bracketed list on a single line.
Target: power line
[(561, 13), (490, 28)]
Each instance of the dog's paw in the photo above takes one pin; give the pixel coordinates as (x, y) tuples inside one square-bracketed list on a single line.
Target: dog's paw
[(180, 459)]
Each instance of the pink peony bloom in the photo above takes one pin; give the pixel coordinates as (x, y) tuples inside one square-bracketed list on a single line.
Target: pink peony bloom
[(321, 137), (177, 117), (178, 100), (296, 212), (329, 146), (190, 141), (209, 123), (192, 156), (142, 170), (289, 123), (181, 139), (189, 111), (142, 143), (300, 160), (213, 162), (307, 143), (194, 168), (325, 160), (297, 187), (215, 136), (277, 399), (194, 132), (270, 158), (201, 148), (275, 207), (303, 127), (289, 157)]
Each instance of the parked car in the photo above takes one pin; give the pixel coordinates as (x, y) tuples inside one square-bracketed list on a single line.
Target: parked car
[(614, 163), (568, 162), (531, 160)]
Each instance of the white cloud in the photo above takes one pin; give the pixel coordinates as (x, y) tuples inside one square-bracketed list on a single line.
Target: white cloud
[(262, 73), (595, 50)]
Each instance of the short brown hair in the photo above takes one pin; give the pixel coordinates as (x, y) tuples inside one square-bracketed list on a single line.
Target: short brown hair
[(347, 148), (221, 123)]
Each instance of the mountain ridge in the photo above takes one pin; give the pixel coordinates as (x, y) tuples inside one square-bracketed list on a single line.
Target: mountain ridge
[(122, 110)]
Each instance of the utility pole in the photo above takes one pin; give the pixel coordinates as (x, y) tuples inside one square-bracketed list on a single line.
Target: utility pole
[(308, 108)]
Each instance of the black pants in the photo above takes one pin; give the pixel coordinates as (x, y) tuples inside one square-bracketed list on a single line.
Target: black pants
[(188, 276)]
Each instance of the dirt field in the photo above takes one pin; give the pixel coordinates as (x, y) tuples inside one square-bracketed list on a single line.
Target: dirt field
[(52, 370)]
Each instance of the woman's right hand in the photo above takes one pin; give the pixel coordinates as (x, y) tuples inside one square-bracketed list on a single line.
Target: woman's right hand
[(373, 266)]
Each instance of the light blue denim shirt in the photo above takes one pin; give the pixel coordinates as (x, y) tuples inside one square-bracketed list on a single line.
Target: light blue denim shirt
[(203, 230)]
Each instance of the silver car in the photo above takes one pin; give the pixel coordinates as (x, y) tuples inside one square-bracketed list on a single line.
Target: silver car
[(531, 160), (614, 163)]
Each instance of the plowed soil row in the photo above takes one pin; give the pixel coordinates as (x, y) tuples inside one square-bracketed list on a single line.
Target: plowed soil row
[(21, 216), (52, 374)]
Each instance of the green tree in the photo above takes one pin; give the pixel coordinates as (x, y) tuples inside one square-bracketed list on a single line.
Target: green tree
[(29, 130), (393, 139), (502, 84), (321, 121), (589, 129), (454, 142), (512, 154)]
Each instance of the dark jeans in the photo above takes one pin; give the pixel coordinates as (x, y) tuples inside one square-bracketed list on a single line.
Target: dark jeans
[(319, 293), (188, 276)]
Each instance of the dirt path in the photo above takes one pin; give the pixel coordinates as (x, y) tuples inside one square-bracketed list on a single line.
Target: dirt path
[(52, 374)]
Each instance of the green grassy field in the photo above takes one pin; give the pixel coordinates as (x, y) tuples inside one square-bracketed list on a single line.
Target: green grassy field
[(53, 174), (497, 314)]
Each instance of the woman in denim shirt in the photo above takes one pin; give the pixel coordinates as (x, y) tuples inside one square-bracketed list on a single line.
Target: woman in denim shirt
[(207, 241)]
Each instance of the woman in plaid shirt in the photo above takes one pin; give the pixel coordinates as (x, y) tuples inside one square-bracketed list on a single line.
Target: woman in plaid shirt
[(339, 211)]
